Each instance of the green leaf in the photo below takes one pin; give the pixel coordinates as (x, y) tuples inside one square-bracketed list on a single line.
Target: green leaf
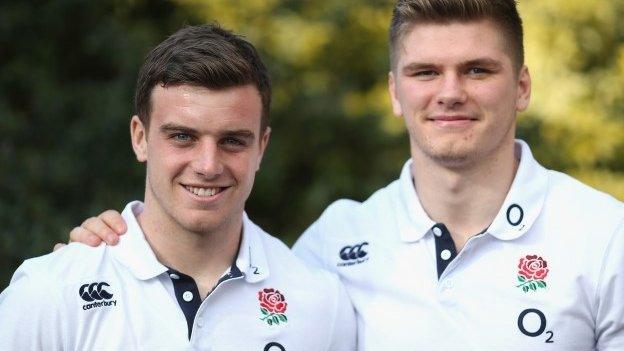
[(282, 317), (525, 288), (275, 320), (270, 321), (264, 311), (521, 279), (541, 284), (533, 286)]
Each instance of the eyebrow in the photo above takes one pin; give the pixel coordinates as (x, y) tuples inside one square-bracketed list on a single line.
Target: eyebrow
[(487, 62), (238, 133), (417, 66), (172, 127)]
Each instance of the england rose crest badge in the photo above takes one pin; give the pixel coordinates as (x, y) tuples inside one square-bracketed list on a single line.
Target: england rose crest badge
[(532, 270), (272, 306)]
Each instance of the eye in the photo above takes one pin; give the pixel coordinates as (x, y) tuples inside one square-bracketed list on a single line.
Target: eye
[(234, 142), (181, 137), (478, 71), (425, 74)]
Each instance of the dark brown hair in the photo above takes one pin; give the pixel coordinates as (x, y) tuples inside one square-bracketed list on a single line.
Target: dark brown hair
[(207, 56), (504, 14)]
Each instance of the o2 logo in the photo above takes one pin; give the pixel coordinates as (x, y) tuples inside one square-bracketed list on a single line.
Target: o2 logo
[(274, 346), (526, 324)]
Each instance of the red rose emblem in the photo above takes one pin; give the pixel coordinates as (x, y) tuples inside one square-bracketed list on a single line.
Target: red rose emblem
[(272, 300), (533, 267)]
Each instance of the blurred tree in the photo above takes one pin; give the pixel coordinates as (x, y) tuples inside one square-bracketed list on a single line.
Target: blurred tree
[(333, 131), (575, 51), (67, 73)]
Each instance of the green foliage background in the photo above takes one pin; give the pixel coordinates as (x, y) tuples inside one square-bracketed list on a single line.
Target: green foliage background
[(68, 68)]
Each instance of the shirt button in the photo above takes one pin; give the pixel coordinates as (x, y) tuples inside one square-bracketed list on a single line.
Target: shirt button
[(445, 254), (200, 322), (187, 296), (174, 276), (437, 231)]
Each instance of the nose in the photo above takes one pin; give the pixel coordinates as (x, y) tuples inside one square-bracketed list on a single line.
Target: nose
[(207, 160), (452, 93)]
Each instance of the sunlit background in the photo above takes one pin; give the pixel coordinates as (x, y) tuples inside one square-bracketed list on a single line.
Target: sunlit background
[(68, 68)]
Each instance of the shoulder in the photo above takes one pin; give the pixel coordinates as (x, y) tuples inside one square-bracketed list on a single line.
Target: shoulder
[(321, 287), (35, 303), (284, 264), (45, 278), (71, 262), (579, 202), (343, 214), (348, 222)]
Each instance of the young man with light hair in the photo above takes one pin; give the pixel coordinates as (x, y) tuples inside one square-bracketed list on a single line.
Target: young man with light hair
[(193, 272), (476, 246)]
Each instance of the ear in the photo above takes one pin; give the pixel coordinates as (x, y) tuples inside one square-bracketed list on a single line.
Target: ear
[(138, 135), (264, 141), (396, 106), (524, 89)]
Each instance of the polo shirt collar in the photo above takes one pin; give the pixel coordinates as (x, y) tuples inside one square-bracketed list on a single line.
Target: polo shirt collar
[(525, 199), (134, 252), (252, 259), (412, 219), (520, 209)]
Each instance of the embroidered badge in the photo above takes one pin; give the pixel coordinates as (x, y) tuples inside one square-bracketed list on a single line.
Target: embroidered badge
[(532, 270), (98, 294), (272, 306)]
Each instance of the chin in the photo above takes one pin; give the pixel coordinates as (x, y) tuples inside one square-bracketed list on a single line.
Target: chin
[(452, 156), (201, 227)]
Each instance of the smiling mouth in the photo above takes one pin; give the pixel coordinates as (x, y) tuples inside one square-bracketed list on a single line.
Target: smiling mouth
[(204, 192), (451, 119)]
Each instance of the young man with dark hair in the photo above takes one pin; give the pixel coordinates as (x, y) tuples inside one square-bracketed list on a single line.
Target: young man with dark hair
[(193, 272), (476, 246)]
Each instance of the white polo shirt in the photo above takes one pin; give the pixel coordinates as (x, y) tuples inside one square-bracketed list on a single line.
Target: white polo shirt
[(547, 274), (121, 298)]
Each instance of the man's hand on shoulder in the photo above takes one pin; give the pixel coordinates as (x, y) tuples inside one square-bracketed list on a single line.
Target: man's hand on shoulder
[(107, 227)]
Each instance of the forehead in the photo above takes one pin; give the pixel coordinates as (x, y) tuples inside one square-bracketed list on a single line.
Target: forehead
[(452, 42), (196, 106)]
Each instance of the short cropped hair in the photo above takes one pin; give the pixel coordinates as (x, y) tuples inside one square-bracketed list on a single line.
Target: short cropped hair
[(207, 56), (503, 13)]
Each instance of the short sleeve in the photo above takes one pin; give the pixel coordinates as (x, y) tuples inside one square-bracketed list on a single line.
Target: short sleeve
[(28, 318), (344, 331), (309, 247), (610, 296)]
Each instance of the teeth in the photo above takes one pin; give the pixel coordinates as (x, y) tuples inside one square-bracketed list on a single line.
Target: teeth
[(202, 191)]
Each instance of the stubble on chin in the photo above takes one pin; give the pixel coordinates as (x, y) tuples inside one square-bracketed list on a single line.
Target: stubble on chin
[(454, 154)]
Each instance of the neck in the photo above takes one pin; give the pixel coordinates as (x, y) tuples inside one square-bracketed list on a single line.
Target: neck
[(466, 199), (204, 256)]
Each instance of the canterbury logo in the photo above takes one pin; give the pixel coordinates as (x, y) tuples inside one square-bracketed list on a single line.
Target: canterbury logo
[(353, 252), (94, 291)]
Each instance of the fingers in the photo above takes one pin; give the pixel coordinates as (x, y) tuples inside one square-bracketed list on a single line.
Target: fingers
[(106, 227), (58, 246), (93, 231), (85, 236), (114, 220)]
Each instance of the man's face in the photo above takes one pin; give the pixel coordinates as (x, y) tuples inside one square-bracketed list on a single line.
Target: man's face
[(203, 148), (457, 89)]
